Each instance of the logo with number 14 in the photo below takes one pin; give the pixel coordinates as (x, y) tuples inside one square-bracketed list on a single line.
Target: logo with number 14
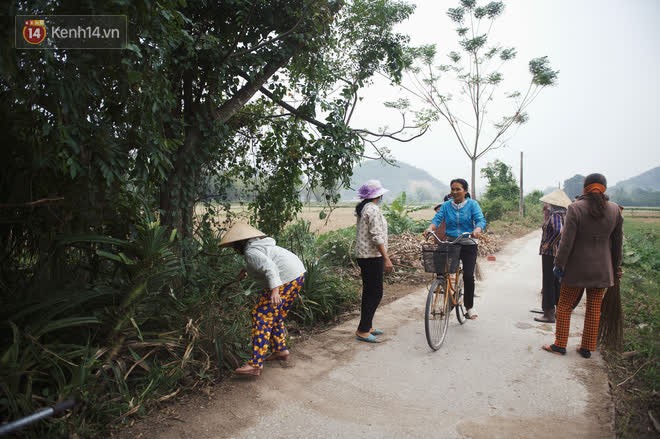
[(34, 31)]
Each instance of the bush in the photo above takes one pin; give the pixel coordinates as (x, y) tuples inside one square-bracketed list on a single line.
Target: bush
[(298, 238), (338, 247), (636, 395), (397, 217), (495, 208), (325, 293)]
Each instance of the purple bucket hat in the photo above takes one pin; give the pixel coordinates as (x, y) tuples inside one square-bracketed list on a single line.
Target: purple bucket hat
[(371, 189)]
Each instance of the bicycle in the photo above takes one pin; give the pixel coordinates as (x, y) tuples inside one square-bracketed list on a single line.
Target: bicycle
[(446, 290)]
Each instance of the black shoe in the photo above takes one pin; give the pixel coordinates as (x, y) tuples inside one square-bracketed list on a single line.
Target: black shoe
[(584, 352)]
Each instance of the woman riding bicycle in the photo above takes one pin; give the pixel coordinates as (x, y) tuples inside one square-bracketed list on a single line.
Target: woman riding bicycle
[(462, 214)]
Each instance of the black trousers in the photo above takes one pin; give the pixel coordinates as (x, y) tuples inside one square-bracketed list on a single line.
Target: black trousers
[(372, 271), (469, 258), (550, 284)]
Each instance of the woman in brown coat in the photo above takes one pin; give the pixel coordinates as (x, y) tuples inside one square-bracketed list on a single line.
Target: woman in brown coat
[(589, 256)]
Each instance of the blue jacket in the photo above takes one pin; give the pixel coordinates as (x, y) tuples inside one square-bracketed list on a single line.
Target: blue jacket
[(460, 220)]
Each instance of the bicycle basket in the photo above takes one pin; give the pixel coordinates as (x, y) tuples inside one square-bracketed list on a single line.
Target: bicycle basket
[(440, 258)]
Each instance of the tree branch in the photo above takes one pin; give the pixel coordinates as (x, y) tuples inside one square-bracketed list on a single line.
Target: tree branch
[(32, 203), (235, 103)]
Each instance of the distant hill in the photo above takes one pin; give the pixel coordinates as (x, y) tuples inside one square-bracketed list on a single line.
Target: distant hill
[(418, 184), (649, 180), (641, 190)]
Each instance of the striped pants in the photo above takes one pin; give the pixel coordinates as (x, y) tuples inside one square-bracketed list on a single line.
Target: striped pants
[(569, 297), (268, 321)]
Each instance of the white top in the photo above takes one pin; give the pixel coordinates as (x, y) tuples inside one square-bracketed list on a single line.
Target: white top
[(270, 265), (371, 230)]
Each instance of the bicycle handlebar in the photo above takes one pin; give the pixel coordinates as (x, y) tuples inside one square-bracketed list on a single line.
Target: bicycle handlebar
[(40, 414), (458, 238)]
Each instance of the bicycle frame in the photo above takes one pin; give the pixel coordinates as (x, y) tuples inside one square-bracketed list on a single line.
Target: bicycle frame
[(437, 311), (451, 285), (450, 288)]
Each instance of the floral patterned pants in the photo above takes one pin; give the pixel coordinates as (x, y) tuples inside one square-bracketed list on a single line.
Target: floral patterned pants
[(268, 321)]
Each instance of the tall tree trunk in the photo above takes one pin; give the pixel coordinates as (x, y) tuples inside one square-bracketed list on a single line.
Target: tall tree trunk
[(473, 181), (177, 195), (176, 204)]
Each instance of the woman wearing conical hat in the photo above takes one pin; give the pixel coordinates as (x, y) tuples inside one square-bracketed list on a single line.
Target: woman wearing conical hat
[(554, 206), (281, 274)]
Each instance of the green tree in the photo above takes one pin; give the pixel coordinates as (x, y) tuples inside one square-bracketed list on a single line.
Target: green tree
[(98, 142), (476, 70), (502, 191), (262, 92), (501, 182)]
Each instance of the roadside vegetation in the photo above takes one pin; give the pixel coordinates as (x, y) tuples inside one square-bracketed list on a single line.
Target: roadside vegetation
[(634, 373)]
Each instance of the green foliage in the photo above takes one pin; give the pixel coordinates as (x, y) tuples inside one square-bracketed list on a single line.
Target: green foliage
[(337, 247), (501, 182), (640, 297), (87, 340), (502, 193), (325, 293), (298, 238), (398, 221), (105, 303), (496, 208), (533, 207), (542, 73)]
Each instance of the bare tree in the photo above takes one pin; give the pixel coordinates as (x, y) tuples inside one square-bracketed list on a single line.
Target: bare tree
[(476, 70)]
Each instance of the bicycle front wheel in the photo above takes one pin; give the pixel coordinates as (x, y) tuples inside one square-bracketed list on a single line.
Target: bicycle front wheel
[(436, 315), (458, 294)]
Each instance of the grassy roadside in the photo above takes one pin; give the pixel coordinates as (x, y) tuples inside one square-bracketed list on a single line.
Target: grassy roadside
[(323, 307), (633, 375)]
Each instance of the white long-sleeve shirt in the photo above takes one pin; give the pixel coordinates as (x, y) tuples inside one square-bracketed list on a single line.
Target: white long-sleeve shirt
[(270, 265), (371, 231)]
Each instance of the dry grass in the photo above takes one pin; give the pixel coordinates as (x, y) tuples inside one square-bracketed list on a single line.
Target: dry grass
[(340, 217), (344, 216)]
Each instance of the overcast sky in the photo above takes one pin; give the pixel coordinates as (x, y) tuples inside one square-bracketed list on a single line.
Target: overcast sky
[(603, 116)]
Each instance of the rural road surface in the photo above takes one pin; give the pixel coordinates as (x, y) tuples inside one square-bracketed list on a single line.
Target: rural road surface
[(489, 380)]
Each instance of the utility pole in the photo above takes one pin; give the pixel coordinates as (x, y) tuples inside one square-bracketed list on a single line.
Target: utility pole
[(521, 202)]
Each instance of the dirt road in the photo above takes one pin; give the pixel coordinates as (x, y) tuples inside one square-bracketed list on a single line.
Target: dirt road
[(489, 380)]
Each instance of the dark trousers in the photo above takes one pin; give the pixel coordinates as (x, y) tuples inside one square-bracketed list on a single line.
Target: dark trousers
[(372, 271), (550, 284), (469, 258)]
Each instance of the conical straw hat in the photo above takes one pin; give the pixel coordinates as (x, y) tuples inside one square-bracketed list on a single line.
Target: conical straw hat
[(556, 198), (239, 232)]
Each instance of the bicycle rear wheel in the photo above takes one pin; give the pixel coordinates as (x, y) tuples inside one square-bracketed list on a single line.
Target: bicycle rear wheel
[(460, 307), (436, 315)]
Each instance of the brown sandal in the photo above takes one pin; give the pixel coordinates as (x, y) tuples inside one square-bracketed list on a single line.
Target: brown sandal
[(282, 356), (248, 370)]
